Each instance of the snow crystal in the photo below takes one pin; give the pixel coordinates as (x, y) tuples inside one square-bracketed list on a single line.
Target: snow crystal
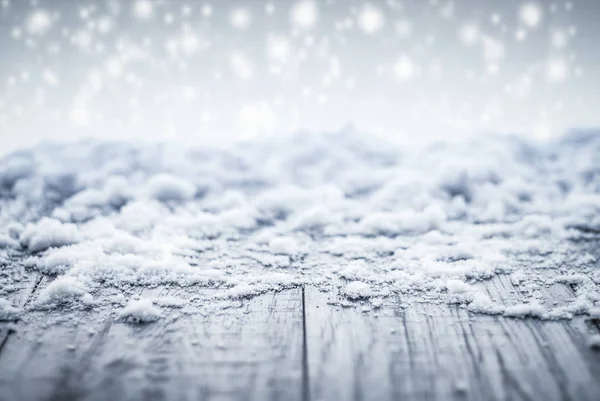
[(140, 311)]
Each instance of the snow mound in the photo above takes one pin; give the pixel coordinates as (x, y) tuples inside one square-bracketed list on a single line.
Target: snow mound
[(140, 311), (8, 312), (345, 213)]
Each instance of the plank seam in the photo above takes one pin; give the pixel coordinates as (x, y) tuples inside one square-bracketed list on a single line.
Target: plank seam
[(10, 331), (38, 281), (305, 370), (4, 339)]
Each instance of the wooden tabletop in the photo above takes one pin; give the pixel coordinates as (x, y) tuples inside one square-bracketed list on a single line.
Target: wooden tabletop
[(298, 344)]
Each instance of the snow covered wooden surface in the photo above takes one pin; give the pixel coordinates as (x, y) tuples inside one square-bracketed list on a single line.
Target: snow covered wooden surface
[(310, 268), (299, 344)]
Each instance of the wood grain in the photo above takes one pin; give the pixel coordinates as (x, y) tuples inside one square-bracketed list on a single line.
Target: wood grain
[(251, 353), (441, 352)]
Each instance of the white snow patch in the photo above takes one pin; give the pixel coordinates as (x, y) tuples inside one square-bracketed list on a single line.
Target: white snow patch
[(8, 312), (49, 233), (358, 290), (481, 303), (457, 286), (285, 212), (63, 290), (140, 311), (534, 309)]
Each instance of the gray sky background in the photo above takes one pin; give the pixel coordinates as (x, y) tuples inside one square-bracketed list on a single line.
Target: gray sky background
[(200, 71)]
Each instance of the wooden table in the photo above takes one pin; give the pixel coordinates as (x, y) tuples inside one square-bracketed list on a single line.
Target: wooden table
[(298, 345)]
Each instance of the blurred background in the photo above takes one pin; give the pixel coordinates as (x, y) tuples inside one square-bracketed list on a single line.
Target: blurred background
[(215, 71)]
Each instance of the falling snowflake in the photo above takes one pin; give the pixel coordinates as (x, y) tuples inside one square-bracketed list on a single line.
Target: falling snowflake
[(530, 14), (404, 69), (304, 14), (39, 22), (190, 43), (143, 9), (240, 18), (278, 48), (557, 70), (370, 19), (469, 34), (520, 35)]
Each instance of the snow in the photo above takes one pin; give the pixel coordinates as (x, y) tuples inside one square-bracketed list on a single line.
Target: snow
[(358, 290), (140, 311), (341, 212), (8, 312), (481, 303), (455, 286), (284, 245), (63, 290), (165, 187), (48, 233), (531, 309)]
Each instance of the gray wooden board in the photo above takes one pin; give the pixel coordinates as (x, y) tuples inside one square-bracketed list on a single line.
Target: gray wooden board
[(297, 345), (250, 353), (419, 351)]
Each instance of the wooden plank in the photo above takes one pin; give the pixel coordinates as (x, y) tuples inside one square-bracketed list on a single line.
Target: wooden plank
[(425, 351), (24, 284), (253, 352)]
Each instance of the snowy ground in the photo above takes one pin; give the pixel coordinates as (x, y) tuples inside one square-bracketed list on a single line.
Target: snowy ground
[(341, 212)]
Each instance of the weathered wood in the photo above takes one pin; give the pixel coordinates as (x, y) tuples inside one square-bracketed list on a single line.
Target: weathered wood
[(286, 346), (26, 283), (440, 352), (252, 353)]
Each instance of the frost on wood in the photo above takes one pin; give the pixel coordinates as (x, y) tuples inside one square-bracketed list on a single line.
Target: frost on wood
[(345, 213)]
